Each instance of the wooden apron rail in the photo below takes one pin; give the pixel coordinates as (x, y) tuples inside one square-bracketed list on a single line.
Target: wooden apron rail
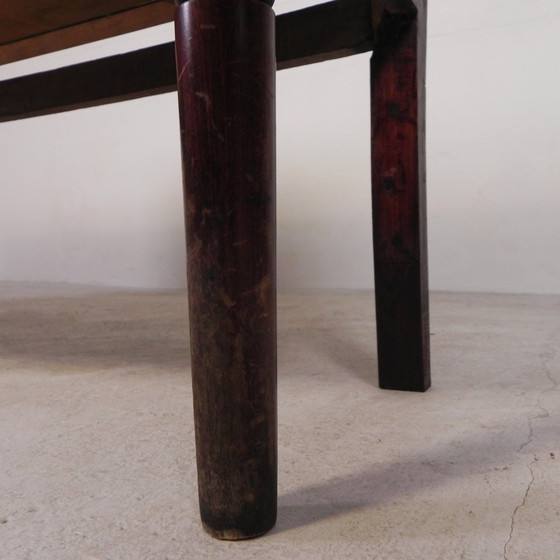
[(323, 32)]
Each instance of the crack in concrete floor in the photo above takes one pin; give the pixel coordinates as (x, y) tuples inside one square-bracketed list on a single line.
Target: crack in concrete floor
[(545, 357)]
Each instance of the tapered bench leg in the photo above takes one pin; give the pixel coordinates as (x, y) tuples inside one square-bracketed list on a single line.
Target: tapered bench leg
[(399, 202), (226, 79)]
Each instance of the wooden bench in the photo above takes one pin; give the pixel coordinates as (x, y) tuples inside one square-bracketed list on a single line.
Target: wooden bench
[(223, 65)]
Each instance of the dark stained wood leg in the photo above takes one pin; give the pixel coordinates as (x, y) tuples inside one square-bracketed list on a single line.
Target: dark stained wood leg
[(226, 80), (399, 203)]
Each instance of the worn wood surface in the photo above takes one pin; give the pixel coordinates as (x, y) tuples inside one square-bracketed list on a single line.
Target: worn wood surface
[(312, 35), (332, 30), (399, 203), (226, 99)]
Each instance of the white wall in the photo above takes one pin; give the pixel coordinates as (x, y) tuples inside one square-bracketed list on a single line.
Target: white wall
[(94, 196)]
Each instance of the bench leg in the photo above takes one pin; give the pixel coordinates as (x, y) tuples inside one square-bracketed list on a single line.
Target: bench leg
[(399, 204), (226, 82)]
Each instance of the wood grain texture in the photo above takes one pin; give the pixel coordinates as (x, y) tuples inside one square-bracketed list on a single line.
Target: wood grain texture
[(225, 65), (399, 203), (332, 30), (109, 25), (27, 18)]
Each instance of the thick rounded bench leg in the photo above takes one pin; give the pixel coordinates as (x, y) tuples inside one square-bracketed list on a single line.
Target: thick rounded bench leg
[(226, 78)]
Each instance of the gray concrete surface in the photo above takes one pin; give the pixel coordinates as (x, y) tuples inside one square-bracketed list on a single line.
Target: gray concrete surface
[(97, 450)]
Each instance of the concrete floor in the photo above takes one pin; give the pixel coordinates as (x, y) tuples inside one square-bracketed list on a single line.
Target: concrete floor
[(97, 438)]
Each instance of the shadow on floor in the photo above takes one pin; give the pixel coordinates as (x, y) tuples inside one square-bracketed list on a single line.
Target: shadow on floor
[(384, 483)]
